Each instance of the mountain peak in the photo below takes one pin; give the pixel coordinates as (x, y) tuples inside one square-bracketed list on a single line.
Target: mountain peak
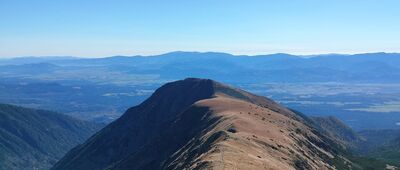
[(194, 80), (200, 124), (194, 89)]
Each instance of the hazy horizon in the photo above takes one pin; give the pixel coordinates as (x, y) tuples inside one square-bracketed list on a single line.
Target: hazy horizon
[(158, 54)]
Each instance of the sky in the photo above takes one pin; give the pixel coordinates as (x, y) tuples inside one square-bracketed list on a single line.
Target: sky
[(99, 28)]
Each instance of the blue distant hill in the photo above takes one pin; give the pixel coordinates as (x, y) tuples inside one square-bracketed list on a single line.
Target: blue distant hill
[(369, 67)]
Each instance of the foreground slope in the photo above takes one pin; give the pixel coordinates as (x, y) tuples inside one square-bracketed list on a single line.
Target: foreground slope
[(36, 139), (202, 124)]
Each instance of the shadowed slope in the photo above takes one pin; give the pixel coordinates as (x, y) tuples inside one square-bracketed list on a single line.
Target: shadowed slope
[(339, 132), (36, 139), (138, 126)]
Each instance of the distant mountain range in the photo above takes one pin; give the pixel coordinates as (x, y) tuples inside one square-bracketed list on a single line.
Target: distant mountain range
[(203, 124), (370, 67), (36, 139)]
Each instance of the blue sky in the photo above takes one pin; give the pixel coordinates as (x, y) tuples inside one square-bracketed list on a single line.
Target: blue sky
[(96, 28)]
